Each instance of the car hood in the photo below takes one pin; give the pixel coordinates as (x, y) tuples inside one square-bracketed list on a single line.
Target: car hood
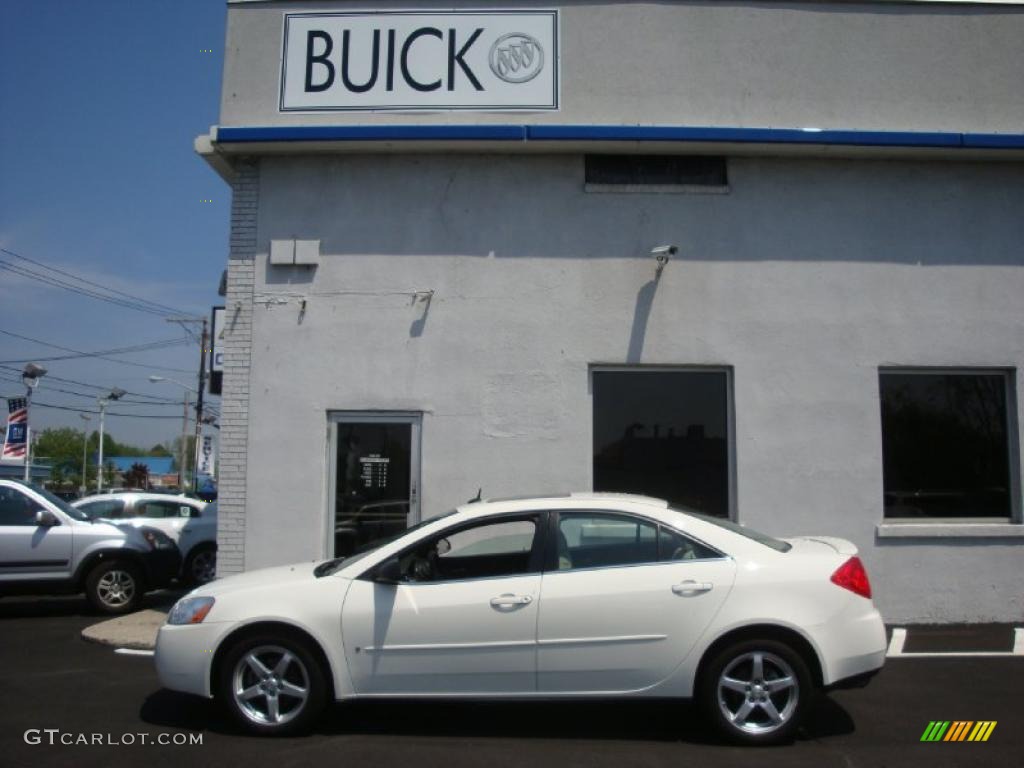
[(262, 577)]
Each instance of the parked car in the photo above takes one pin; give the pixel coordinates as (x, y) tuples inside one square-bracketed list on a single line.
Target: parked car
[(48, 546), (582, 595), (191, 524)]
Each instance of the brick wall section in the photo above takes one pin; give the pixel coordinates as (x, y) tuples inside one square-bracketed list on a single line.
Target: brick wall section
[(234, 422)]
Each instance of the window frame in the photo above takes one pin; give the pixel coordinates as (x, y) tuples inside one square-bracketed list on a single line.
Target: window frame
[(902, 526), (551, 546), (730, 415)]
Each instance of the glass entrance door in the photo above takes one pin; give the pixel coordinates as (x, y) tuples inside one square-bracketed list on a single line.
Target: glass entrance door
[(375, 488)]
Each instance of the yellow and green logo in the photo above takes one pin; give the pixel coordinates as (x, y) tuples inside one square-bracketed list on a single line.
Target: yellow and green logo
[(958, 730)]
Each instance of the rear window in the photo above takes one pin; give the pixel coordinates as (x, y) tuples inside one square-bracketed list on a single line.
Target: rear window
[(749, 533)]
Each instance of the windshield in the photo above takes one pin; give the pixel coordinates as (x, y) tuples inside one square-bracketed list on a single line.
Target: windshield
[(729, 525), (333, 566), (57, 501)]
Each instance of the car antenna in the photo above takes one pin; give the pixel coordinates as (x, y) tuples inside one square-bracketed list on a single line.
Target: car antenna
[(478, 497)]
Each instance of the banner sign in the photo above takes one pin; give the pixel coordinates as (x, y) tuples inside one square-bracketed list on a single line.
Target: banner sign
[(405, 60), (16, 437), (216, 363), (207, 460)]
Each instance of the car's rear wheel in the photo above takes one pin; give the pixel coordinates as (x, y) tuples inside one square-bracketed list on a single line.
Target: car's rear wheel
[(272, 684), (201, 565), (114, 587), (756, 691)]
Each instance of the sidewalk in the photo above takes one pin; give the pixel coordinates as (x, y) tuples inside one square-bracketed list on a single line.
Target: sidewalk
[(136, 630)]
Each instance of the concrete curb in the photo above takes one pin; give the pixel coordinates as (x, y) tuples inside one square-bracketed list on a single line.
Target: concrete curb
[(136, 630)]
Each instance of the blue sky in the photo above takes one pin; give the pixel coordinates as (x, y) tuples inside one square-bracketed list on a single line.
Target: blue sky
[(100, 102)]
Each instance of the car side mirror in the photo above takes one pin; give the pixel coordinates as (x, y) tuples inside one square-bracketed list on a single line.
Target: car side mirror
[(46, 518), (389, 572)]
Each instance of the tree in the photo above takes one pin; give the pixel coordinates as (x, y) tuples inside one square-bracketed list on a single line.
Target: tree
[(137, 476), (159, 450)]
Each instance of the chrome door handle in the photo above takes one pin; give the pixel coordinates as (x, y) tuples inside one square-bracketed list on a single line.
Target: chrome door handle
[(503, 601), (690, 587)]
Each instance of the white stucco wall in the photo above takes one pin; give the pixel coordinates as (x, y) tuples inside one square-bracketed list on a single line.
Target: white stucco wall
[(804, 279)]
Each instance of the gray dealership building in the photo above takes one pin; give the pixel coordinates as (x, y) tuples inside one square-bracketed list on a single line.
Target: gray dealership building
[(763, 259)]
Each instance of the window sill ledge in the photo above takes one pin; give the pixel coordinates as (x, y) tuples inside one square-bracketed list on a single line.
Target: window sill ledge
[(949, 531)]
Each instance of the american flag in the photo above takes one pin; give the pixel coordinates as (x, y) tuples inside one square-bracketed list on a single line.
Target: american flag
[(17, 426)]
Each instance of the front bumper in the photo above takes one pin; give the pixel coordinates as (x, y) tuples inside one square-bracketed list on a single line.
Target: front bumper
[(184, 656), (162, 565)]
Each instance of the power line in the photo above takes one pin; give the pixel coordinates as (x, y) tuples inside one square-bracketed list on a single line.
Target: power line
[(102, 354), (92, 395), (38, 404), (128, 301), (102, 387)]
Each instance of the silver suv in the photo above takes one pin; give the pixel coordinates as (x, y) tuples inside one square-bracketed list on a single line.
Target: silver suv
[(49, 547)]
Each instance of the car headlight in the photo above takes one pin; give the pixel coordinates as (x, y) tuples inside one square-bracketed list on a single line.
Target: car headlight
[(190, 610), (157, 539)]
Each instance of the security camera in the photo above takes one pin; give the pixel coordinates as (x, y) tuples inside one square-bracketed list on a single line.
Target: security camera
[(662, 252)]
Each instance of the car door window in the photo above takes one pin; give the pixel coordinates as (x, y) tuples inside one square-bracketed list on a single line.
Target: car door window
[(672, 545), (601, 539), (110, 508), (162, 509), (16, 508), (487, 550)]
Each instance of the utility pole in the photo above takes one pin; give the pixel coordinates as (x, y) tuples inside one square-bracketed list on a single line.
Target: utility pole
[(204, 343), (82, 488), (183, 458), (115, 394)]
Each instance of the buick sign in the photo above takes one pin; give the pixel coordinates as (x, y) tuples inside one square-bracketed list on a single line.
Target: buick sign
[(404, 60)]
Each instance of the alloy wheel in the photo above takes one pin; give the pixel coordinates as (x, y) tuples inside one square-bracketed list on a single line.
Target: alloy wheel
[(270, 685), (758, 692), (116, 588)]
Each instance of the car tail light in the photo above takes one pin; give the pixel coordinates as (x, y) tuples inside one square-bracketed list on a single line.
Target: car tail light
[(852, 576)]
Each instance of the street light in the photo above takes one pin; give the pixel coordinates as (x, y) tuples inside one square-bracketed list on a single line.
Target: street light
[(184, 429), (114, 394), (30, 376), (85, 442)]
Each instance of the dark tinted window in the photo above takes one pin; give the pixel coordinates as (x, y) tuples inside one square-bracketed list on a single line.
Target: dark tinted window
[(595, 540), (111, 508), (675, 546), (945, 446), (664, 434), (495, 548), (678, 170), (162, 509), (16, 508)]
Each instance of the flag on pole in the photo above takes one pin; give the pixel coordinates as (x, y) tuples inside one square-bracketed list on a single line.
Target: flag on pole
[(17, 430)]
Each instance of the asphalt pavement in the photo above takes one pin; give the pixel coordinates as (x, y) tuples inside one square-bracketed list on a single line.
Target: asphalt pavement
[(57, 687)]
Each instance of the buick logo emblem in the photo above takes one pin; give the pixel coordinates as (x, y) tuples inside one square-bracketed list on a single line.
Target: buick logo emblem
[(516, 58)]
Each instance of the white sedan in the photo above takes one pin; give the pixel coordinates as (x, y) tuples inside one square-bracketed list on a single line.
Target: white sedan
[(560, 597)]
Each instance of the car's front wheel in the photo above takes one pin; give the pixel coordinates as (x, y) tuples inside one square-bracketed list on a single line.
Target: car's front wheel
[(272, 684), (114, 587), (756, 691)]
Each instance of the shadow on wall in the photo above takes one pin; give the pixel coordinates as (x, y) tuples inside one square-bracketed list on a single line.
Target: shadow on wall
[(641, 314), (777, 209)]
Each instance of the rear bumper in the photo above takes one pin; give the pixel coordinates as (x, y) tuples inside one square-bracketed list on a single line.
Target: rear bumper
[(851, 645)]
